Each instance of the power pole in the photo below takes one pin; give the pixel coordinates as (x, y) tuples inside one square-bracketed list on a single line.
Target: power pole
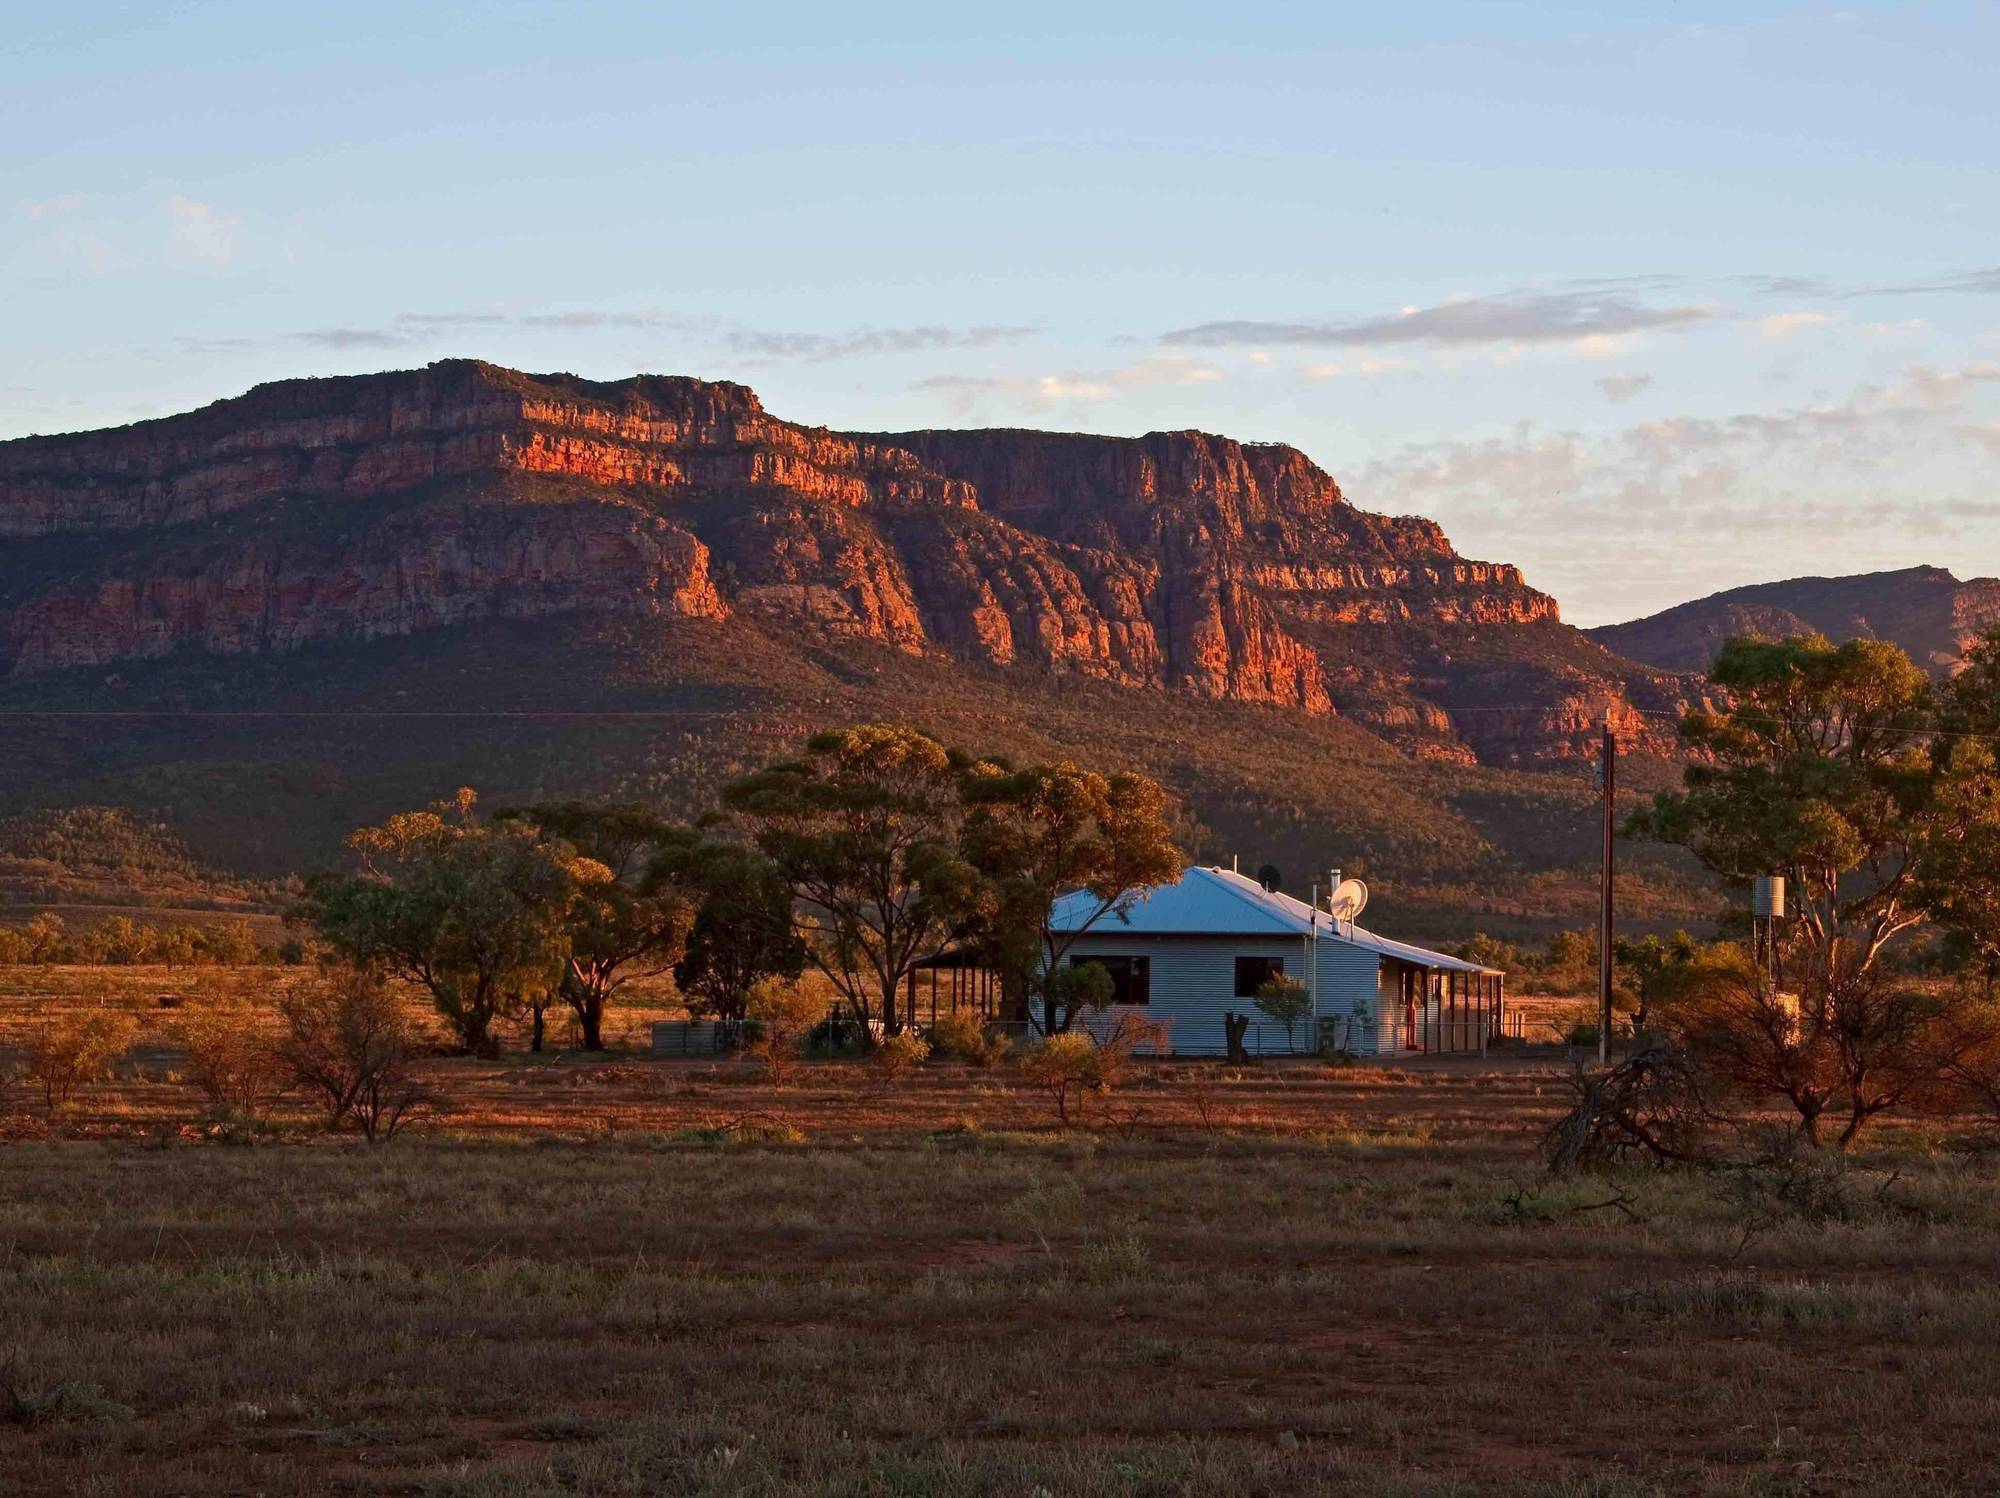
[(1608, 772)]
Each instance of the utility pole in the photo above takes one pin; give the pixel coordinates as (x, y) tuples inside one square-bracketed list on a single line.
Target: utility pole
[(1608, 773)]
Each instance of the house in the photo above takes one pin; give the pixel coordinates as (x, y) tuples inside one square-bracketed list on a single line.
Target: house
[(1184, 954)]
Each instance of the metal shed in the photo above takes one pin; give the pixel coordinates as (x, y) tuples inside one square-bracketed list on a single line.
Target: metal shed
[(1189, 952)]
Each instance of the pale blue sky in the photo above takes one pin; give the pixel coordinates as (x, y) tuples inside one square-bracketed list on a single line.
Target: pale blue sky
[(1650, 299)]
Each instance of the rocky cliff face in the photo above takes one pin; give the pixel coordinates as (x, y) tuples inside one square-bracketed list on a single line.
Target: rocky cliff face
[(1926, 610), (373, 506)]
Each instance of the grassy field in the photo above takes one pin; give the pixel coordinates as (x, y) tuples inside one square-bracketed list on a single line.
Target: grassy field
[(626, 1276)]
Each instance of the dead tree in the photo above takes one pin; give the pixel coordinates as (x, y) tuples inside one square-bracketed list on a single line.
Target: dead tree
[(1649, 1108), (1234, 1027)]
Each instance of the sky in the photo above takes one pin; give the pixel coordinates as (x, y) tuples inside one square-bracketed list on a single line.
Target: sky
[(1651, 300)]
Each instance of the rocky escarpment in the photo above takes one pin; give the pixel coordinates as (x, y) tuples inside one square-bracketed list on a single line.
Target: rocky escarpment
[(439, 563), (368, 435), (373, 506), (1926, 610)]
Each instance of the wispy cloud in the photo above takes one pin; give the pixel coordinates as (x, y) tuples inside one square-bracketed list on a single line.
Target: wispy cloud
[(1072, 387), (1982, 281), (199, 235), (1985, 282), (1573, 317), (1780, 326), (1349, 368), (1788, 286), (411, 330), (869, 341), (1619, 388), (40, 210)]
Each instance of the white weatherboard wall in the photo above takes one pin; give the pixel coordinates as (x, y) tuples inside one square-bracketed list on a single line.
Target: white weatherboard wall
[(1356, 985), (1193, 984)]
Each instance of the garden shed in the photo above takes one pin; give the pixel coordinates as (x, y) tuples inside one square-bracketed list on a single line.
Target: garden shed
[(1185, 954)]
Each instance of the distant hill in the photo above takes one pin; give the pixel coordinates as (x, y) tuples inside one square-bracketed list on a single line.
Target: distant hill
[(1926, 610), (104, 856)]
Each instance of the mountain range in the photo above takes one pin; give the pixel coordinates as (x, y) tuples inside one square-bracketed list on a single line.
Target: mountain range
[(371, 507), (283, 613), (1926, 610)]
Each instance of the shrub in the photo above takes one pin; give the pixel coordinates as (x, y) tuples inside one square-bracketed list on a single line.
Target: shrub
[(902, 1053), (1649, 1108), (784, 1014), (839, 1034), (1284, 1000), (1848, 1049), (68, 1050), (347, 1039), (232, 1058), (1065, 1066), (230, 943), (47, 938), (962, 1034), (1121, 1041)]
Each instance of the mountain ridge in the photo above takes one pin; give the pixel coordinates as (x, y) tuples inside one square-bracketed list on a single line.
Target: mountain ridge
[(374, 506), (1928, 611)]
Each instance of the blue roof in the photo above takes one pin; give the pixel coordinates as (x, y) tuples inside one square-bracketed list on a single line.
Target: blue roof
[(1221, 902)]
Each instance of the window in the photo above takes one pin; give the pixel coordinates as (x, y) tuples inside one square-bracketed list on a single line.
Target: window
[(1253, 972), (1131, 977)]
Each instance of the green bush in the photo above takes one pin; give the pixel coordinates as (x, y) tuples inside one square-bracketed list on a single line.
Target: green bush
[(902, 1053), (962, 1034)]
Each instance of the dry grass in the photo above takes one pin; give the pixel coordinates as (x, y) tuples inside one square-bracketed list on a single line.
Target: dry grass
[(154, 994), (606, 1278)]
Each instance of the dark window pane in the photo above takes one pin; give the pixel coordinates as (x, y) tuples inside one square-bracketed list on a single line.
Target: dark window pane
[(1251, 973), (1131, 977)]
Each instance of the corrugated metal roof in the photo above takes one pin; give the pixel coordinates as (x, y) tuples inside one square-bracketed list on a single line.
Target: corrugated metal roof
[(1221, 902)]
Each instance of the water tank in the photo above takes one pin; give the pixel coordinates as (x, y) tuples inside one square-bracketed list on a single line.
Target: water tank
[(1767, 897)]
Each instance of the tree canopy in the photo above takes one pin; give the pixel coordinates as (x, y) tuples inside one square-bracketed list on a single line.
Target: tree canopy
[(623, 926), (863, 830), (1035, 835), (742, 930), (1818, 770), (478, 913)]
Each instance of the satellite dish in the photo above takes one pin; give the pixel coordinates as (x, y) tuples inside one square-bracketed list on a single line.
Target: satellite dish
[(1270, 878), (1350, 898)]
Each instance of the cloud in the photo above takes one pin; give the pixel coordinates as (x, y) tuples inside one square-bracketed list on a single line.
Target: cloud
[(1984, 282), (51, 208), (1354, 367), (1788, 286), (1619, 388), (1514, 317), (1619, 523), (1780, 326), (871, 341), (198, 235), (343, 339), (409, 330), (966, 392)]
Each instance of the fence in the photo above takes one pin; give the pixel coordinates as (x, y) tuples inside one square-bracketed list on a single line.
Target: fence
[(686, 1037)]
